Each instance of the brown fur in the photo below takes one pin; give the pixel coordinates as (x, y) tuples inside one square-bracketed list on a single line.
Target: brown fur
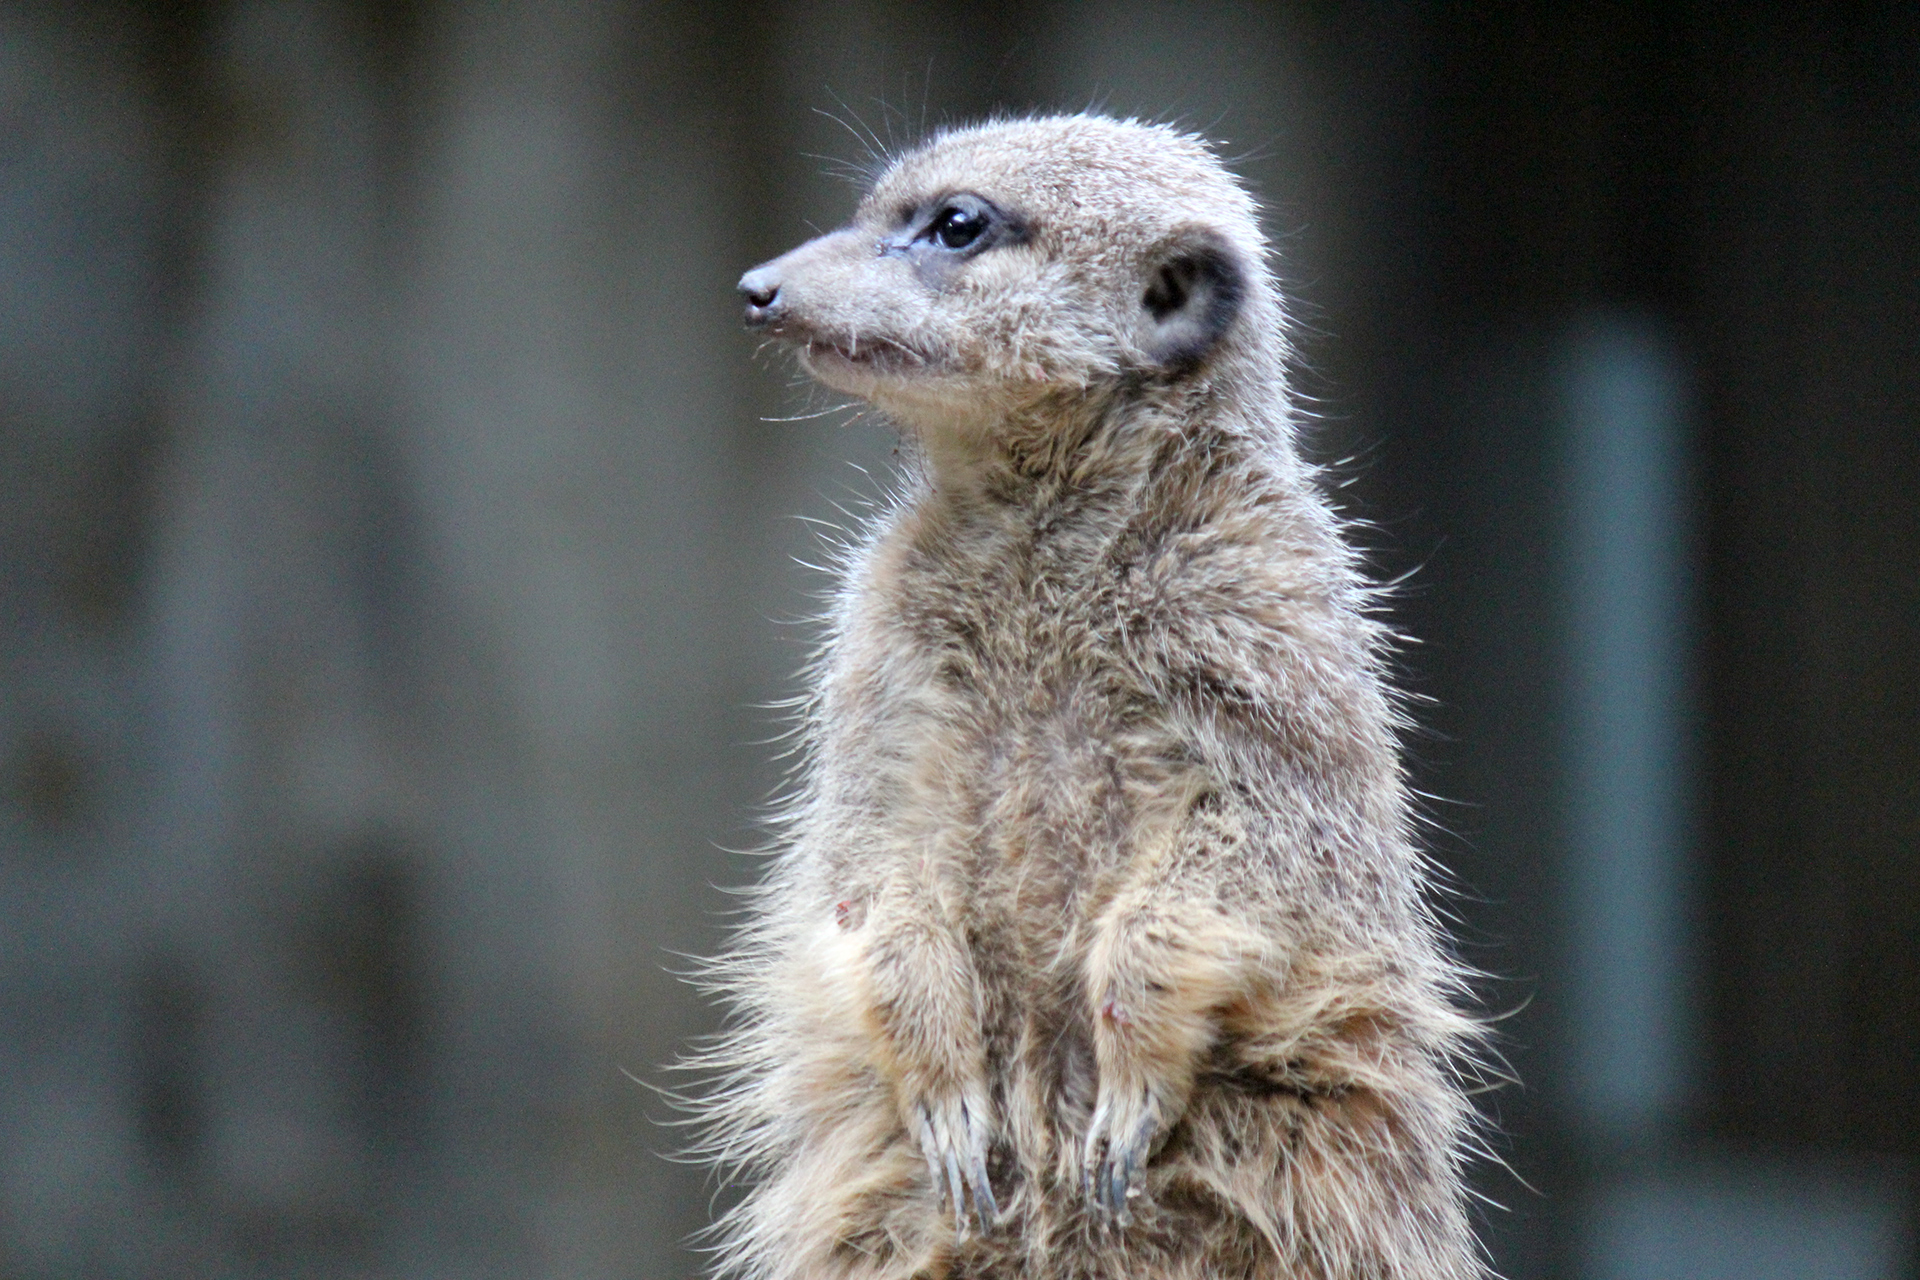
[(1101, 852)]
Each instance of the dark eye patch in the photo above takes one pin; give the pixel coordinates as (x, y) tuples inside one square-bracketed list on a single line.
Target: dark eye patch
[(963, 223)]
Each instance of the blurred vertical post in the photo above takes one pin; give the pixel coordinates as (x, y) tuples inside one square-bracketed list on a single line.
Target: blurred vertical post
[(1662, 1208), (1629, 725)]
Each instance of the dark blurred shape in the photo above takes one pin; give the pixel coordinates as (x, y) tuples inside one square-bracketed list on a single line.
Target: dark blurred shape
[(48, 780), (168, 1021), (359, 938), (105, 530)]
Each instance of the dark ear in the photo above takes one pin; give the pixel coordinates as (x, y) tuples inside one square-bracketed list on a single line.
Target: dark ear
[(1193, 294)]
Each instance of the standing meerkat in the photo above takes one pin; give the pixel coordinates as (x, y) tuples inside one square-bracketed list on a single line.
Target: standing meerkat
[(1096, 944)]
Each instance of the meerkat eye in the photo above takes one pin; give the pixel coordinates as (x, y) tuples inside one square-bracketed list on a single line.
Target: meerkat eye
[(942, 233), (957, 226)]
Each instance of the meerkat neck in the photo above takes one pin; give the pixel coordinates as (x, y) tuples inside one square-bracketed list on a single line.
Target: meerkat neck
[(1080, 440)]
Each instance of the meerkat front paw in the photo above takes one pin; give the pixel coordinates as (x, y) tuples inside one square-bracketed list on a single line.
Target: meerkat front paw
[(954, 1133), (1132, 1110), (924, 996), (1126, 1122)]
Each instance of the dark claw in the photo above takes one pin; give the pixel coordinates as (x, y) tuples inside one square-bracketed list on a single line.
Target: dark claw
[(953, 1174), (1108, 1179), (958, 1190), (983, 1202)]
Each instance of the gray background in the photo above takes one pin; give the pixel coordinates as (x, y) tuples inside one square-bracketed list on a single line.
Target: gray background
[(399, 541)]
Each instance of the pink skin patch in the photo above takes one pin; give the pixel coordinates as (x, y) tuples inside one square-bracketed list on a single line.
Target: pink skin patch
[(1114, 1012)]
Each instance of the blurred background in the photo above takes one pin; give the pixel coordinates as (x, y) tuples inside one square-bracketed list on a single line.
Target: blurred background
[(398, 539)]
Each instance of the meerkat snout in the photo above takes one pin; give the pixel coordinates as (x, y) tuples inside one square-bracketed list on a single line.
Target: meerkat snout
[(761, 289)]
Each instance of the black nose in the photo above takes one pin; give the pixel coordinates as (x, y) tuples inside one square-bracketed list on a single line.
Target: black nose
[(761, 288)]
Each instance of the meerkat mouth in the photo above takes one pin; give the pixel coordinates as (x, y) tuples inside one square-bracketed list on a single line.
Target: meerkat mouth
[(823, 352), (870, 355)]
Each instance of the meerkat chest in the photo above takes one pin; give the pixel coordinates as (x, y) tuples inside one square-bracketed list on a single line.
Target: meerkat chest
[(1025, 752)]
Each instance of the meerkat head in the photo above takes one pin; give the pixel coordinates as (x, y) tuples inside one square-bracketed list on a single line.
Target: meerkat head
[(1002, 265)]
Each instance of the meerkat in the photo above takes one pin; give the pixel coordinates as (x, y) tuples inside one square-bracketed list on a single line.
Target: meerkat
[(1096, 942)]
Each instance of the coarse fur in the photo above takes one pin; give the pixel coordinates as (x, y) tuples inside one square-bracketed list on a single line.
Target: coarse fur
[(1096, 943)]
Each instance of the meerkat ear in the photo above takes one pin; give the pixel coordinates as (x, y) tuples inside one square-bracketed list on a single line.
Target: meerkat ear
[(1193, 294)]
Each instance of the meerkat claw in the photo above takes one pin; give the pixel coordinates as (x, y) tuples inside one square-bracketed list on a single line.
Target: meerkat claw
[(957, 1188), (984, 1205), (1116, 1155), (954, 1144)]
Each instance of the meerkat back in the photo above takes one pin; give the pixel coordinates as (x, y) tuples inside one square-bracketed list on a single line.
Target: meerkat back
[(1095, 942)]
